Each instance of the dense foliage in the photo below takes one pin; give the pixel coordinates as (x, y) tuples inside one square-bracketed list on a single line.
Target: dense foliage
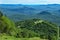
[(43, 29), (6, 25), (28, 28)]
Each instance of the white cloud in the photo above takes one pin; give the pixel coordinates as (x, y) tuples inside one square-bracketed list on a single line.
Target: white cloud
[(30, 1), (53, 1)]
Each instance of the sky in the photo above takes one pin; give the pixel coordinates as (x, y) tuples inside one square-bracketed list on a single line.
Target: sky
[(29, 1)]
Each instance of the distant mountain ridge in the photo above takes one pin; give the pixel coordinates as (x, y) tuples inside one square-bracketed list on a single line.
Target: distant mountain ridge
[(44, 13), (50, 7), (50, 12)]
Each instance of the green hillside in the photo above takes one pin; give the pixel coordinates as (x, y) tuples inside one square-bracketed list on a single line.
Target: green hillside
[(33, 29), (6, 25), (43, 29)]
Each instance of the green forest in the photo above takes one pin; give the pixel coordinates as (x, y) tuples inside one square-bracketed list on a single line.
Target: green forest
[(31, 29)]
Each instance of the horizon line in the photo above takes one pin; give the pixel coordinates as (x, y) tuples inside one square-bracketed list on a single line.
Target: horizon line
[(32, 4)]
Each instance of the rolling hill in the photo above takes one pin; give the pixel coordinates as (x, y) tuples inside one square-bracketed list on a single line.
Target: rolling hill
[(43, 29), (18, 12), (26, 29)]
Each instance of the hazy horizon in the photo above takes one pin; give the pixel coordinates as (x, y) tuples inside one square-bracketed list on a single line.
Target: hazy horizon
[(29, 4)]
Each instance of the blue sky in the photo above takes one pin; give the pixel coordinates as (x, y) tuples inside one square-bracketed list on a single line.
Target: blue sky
[(29, 1)]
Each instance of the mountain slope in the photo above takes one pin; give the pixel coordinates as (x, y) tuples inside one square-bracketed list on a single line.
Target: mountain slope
[(43, 29), (45, 15), (6, 25)]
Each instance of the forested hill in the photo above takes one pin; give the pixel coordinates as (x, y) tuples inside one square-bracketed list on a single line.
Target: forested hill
[(38, 28), (27, 28), (6, 25)]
